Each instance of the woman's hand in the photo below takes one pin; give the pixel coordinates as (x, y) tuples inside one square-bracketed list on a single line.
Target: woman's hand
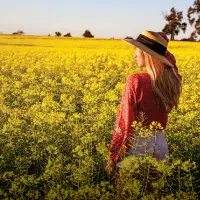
[(109, 167)]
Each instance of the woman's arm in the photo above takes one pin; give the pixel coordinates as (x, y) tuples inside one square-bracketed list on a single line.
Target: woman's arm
[(127, 112)]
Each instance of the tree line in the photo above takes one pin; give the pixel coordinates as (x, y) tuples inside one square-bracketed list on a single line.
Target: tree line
[(87, 33), (174, 24)]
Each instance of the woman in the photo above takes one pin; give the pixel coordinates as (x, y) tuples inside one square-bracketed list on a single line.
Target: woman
[(153, 93)]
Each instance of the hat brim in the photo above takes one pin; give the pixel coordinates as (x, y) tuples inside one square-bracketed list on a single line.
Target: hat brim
[(149, 51)]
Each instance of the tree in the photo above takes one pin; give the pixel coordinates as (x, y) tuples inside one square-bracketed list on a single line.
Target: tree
[(58, 34), (174, 23), (68, 35), (19, 32), (184, 27), (87, 33), (193, 36), (128, 37), (195, 9)]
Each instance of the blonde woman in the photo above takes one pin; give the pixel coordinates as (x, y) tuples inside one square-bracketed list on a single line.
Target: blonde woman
[(154, 93)]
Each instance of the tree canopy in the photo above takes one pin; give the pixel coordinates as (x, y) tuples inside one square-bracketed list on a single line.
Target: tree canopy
[(174, 23)]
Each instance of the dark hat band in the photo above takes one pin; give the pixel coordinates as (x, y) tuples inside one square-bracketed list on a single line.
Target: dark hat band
[(152, 44)]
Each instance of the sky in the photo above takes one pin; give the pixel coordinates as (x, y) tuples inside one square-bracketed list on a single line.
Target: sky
[(104, 18)]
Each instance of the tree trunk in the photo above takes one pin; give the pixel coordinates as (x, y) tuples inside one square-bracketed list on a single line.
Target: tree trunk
[(172, 35)]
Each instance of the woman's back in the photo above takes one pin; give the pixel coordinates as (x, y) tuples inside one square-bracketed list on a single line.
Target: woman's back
[(148, 107)]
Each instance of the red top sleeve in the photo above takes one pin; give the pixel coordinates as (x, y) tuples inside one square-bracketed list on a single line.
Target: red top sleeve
[(127, 113)]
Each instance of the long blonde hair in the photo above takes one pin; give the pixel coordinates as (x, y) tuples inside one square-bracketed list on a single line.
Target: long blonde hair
[(166, 86)]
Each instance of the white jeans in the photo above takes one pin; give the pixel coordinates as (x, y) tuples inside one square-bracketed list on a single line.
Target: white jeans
[(154, 145)]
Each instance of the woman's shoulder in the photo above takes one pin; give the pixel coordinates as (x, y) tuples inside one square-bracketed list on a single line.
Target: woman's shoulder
[(139, 76), (139, 80)]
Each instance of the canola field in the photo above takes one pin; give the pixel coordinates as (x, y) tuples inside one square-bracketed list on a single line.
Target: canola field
[(58, 102)]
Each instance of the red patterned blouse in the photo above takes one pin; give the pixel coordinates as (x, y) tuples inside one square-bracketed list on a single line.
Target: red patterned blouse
[(137, 97)]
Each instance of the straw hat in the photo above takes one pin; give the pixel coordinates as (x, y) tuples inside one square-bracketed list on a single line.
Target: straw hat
[(153, 43)]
